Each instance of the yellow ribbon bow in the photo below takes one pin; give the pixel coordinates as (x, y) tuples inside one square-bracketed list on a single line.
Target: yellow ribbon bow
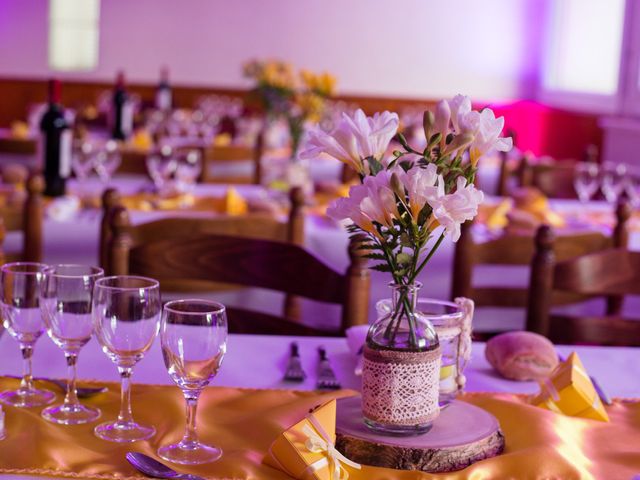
[(318, 441)]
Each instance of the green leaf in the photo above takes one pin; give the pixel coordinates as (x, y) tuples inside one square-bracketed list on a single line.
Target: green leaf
[(381, 267), (375, 256)]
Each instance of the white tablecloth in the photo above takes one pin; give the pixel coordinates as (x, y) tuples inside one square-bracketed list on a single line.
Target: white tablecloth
[(258, 361)]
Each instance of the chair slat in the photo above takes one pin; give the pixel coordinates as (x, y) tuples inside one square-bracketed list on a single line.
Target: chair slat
[(611, 272), (248, 262), (605, 330)]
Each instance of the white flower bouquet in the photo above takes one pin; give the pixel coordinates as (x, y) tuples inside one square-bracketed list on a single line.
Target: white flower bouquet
[(410, 200)]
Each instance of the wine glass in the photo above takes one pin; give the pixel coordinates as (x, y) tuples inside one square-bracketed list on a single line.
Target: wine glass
[(65, 302), (613, 181), (21, 284), (161, 166), (194, 340), (632, 187), (188, 169), (126, 314), (82, 163), (586, 180), (107, 161)]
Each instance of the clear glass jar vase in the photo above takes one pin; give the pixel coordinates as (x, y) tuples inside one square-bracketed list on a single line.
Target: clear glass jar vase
[(401, 368), (453, 326)]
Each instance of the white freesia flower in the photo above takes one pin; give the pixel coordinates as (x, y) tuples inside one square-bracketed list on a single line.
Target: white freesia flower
[(349, 208), (355, 138), (423, 185), (460, 106), (456, 208), (372, 201), (487, 130)]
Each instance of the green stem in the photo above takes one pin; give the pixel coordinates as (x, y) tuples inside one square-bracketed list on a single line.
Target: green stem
[(427, 258)]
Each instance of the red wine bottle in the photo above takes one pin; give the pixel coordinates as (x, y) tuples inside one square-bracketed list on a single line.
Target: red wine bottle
[(56, 144), (164, 97), (122, 111)]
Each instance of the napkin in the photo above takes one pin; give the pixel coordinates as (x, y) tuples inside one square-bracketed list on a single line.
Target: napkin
[(63, 208), (234, 203), (19, 130), (141, 140), (222, 140)]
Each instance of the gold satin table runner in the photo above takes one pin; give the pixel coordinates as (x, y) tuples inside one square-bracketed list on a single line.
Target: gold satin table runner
[(244, 423)]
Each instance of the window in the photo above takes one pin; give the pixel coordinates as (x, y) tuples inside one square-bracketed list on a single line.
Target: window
[(73, 34), (583, 52)]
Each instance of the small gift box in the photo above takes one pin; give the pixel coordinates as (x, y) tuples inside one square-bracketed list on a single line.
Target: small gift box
[(569, 390), (307, 451)]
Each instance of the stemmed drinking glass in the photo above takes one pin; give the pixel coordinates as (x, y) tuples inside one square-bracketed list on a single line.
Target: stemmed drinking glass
[(586, 180), (126, 314), (161, 167), (21, 284), (82, 163), (188, 170), (65, 302), (107, 161), (194, 341), (613, 181)]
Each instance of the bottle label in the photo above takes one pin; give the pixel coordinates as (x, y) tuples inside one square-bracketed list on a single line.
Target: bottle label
[(65, 153), (163, 99), (126, 119)]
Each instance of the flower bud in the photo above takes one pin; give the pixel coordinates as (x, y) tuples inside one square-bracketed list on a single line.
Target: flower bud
[(458, 142), (428, 120), (396, 186)]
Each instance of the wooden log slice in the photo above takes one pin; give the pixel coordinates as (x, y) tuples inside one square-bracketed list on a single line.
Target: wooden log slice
[(463, 434)]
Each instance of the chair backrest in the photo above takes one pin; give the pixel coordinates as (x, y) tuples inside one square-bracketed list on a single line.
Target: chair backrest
[(263, 226), (512, 249), (233, 153), (552, 177), (26, 217), (613, 272), (248, 262), (18, 146), (133, 161)]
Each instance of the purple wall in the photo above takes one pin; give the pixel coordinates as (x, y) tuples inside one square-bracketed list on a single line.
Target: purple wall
[(415, 48)]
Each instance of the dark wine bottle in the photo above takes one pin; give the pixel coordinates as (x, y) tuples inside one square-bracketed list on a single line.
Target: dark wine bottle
[(164, 96), (56, 144), (122, 111)]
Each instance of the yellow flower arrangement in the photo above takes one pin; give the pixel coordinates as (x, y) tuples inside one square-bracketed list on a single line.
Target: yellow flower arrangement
[(299, 97)]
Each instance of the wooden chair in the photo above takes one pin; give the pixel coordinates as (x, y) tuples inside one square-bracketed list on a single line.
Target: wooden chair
[(552, 177), (612, 272), (248, 262), (133, 161), (26, 217), (229, 154), (253, 225), (511, 249)]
